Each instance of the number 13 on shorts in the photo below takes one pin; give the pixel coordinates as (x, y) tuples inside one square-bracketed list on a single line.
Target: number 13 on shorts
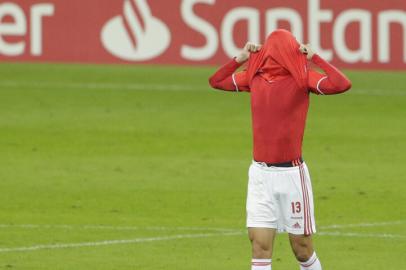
[(296, 207)]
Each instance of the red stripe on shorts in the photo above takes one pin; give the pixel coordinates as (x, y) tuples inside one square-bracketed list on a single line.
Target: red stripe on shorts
[(308, 210), (308, 197), (304, 202)]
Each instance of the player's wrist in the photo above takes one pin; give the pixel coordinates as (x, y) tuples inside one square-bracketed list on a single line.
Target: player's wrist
[(241, 59), (236, 64)]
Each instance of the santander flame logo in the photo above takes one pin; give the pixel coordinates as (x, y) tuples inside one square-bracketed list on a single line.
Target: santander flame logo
[(136, 35)]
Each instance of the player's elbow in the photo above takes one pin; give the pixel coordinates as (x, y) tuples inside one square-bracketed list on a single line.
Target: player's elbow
[(212, 82), (346, 86), (337, 89), (343, 87), (215, 84)]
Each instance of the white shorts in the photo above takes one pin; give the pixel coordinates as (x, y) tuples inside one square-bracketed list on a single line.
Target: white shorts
[(280, 198)]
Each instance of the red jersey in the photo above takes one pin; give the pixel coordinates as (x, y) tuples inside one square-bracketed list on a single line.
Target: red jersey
[(279, 106)]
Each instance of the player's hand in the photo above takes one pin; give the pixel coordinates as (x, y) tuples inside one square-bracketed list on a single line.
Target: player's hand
[(307, 50), (248, 49)]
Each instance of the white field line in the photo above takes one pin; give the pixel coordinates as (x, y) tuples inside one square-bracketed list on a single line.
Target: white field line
[(220, 233), (116, 242), (363, 225), (162, 228), (104, 86), (173, 237), (114, 228), (162, 87), (379, 92), (363, 235)]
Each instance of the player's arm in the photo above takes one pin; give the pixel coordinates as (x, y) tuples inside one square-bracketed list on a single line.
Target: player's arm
[(226, 77), (332, 82)]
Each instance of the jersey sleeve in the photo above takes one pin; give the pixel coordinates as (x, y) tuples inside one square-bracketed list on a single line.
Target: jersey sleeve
[(315, 79), (240, 81), (331, 83), (226, 78)]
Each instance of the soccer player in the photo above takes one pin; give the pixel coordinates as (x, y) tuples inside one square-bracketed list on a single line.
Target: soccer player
[(280, 79)]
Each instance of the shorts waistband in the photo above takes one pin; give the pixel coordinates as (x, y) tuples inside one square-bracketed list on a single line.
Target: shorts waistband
[(287, 164)]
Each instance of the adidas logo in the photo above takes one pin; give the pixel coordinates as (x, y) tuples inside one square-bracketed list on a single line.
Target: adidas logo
[(297, 226)]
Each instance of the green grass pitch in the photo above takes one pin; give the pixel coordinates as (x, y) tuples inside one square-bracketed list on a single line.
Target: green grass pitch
[(122, 167)]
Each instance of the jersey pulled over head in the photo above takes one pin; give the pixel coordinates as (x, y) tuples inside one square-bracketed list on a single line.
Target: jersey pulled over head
[(279, 57)]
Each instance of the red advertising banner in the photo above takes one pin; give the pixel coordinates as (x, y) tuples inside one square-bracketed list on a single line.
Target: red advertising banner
[(350, 33)]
